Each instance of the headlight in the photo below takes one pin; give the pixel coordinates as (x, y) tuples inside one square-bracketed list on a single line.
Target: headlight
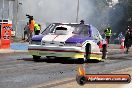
[(36, 42)]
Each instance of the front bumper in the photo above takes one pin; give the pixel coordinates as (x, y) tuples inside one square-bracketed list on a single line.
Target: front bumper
[(56, 51), (63, 51)]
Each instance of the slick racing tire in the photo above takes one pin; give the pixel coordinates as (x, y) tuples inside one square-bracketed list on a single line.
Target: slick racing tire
[(81, 80), (36, 58), (104, 52), (49, 57), (87, 52), (81, 60)]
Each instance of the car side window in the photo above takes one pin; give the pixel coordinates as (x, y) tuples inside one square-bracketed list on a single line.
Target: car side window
[(95, 33), (99, 36)]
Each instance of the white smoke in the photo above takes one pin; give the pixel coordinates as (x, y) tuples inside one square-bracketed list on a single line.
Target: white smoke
[(95, 12), (57, 10), (113, 3)]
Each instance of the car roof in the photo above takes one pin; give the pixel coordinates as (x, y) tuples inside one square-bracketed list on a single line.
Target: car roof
[(70, 23), (92, 27)]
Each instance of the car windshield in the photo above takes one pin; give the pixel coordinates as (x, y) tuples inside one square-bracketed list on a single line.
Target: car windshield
[(49, 29), (81, 30), (74, 28), (61, 28)]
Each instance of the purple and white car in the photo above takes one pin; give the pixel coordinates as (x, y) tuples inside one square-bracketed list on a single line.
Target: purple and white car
[(71, 40)]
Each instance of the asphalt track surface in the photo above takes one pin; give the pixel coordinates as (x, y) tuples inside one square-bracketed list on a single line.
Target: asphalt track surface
[(20, 71)]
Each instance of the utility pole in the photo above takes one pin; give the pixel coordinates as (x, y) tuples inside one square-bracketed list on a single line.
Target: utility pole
[(16, 25), (17, 14), (9, 9), (3, 6), (78, 3)]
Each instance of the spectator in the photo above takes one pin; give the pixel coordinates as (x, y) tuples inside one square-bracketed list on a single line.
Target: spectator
[(37, 29), (26, 31), (108, 33)]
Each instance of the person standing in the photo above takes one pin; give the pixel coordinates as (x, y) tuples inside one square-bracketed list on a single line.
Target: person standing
[(128, 40), (108, 33), (37, 29), (26, 31), (120, 37), (31, 27), (82, 22), (40, 27)]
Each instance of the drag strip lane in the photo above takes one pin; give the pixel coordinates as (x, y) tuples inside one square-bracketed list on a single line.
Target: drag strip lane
[(100, 69), (36, 73)]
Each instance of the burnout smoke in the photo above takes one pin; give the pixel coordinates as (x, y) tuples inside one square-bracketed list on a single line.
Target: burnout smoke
[(95, 12), (58, 10)]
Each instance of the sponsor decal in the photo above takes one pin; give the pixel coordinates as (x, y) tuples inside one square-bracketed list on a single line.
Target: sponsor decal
[(37, 38), (78, 39)]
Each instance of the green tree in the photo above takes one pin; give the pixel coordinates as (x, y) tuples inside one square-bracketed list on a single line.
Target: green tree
[(129, 2)]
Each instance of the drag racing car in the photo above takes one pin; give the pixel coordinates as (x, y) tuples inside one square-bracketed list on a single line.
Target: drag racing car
[(69, 40)]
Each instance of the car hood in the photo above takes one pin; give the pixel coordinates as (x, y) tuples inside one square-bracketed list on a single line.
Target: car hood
[(37, 38), (66, 38), (56, 38)]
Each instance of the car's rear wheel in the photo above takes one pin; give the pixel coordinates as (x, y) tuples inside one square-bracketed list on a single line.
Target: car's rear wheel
[(104, 52), (81, 60), (36, 58), (50, 57)]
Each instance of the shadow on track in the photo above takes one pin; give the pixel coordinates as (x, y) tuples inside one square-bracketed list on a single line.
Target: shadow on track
[(119, 58), (60, 60)]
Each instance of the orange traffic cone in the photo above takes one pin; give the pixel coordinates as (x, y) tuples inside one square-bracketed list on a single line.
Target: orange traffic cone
[(122, 44)]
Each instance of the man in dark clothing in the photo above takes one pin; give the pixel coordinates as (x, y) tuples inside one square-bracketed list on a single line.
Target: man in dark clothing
[(82, 22), (128, 39)]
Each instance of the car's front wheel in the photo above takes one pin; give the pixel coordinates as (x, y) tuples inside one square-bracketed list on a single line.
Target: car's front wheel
[(104, 52), (87, 52), (36, 58), (81, 60)]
